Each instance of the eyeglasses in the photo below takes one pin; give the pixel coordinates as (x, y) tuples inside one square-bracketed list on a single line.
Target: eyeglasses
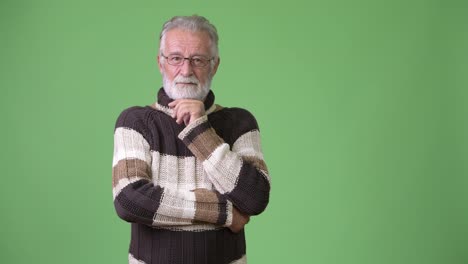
[(195, 61)]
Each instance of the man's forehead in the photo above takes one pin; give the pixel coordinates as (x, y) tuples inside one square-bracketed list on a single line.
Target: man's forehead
[(179, 40)]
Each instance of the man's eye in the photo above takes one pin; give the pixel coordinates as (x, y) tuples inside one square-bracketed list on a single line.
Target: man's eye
[(197, 60), (176, 58)]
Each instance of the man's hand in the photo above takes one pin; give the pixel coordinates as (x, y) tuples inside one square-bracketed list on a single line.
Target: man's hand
[(239, 220), (187, 110)]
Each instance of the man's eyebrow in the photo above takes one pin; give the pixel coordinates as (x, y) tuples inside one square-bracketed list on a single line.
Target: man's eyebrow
[(193, 55), (200, 55), (175, 53)]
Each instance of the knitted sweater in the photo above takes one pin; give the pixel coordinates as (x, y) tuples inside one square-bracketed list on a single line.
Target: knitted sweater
[(177, 184)]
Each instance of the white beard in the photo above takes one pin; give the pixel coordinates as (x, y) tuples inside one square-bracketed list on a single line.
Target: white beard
[(178, 91)]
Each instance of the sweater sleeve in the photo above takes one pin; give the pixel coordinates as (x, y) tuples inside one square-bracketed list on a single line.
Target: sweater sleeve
[(239, 173), (137, 199)]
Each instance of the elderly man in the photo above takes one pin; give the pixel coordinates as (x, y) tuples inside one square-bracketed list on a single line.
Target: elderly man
[(187, 173)]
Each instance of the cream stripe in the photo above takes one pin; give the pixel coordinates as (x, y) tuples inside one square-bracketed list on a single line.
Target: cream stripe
[(164, 109), (223, 167), (155, 166), (164, 220), (192, 227), (229, 216), (169, 171), (249, 145), (267, 175), (211, 109), (177, 205), (133, 260), (129, 144), (183, 173)]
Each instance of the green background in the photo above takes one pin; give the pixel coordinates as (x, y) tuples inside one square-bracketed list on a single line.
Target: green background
[(362, 105)]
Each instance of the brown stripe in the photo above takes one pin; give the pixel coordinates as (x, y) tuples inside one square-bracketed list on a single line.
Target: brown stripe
[(205, 143), (130, 168), (207, 208), (256, 162)]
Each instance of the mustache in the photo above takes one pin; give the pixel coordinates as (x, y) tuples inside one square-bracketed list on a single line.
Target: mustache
[(181, 79)]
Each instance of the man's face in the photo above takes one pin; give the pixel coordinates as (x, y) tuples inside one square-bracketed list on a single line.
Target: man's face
[(186, 81)]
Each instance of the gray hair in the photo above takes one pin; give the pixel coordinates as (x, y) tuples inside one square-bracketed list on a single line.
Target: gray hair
[(191, 23)]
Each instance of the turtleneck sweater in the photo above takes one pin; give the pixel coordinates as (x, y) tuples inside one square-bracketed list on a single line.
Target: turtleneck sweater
[(177, 185)]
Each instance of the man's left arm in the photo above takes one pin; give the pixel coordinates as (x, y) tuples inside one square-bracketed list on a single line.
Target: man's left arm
[(240, 173)]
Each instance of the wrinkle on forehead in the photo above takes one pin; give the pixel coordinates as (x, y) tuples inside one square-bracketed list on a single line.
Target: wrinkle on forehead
[(187, 43)]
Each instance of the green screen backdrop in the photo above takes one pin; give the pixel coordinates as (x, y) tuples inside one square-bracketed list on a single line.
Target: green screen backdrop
[(362, 105)]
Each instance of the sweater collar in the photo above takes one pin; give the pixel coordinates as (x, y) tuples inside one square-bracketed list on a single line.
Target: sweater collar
[(164, 100)]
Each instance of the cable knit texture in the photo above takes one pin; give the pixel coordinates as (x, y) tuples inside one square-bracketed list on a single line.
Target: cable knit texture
[(177, 184)]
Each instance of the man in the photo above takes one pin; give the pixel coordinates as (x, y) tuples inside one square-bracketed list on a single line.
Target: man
[(187, 173)]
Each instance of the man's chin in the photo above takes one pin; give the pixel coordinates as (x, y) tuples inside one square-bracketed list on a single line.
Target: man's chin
[(186, 86), (179, 91), (185, 94), (182, 95)]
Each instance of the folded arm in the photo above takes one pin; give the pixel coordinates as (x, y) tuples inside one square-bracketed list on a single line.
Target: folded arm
[(240, 174), (137, 199)]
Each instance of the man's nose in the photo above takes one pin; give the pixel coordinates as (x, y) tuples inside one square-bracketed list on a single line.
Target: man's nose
[(186, 68)]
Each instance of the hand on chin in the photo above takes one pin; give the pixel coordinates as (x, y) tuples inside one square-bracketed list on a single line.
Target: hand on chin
[(187, 110)]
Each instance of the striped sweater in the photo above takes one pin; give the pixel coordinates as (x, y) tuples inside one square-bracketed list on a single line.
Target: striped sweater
[(177, 184)]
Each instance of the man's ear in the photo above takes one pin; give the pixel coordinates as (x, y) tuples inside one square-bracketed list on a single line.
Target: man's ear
[(158, 58), (215, 68)]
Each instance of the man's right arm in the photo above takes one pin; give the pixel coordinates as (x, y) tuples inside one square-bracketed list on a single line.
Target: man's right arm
[(137, 199)]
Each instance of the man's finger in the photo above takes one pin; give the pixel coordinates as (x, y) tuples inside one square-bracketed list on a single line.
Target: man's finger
[(186, 119)]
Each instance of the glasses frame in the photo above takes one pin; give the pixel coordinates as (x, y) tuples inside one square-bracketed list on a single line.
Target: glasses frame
[(190, 59)]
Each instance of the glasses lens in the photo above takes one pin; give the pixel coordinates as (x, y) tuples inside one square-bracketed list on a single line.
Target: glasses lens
[(198, 61), (175, 60)]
